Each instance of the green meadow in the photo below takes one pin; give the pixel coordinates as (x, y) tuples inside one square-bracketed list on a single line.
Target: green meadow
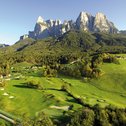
[(108, 89)]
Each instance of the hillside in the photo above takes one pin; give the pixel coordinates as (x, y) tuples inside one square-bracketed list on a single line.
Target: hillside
[(71, 43), (53, 99), (59, 76)]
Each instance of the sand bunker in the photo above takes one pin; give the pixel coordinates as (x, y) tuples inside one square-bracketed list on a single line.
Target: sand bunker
[(62, 108), (11, 97), (5, 94), (2, 89)]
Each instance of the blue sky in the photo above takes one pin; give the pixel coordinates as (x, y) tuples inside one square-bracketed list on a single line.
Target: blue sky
[(17, 17)]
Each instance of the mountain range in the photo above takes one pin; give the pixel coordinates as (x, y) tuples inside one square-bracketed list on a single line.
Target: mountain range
[(84, 22)]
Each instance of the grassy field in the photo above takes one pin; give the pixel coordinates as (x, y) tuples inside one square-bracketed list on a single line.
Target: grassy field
[(110, 88)]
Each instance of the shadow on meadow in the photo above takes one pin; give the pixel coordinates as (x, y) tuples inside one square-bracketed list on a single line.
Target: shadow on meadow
[(23, 85)]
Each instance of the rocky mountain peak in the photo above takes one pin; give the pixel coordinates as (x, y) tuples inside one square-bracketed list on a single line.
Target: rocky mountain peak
[(84, 15), (100, 19), (53, 23), (57, 22), (66, 26), (40, 20), (102, 24), (50, 22), (100, 15), (84, 21)]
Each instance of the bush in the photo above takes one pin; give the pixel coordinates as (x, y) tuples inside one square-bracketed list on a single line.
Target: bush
[(34, 84), (64, 87), (97, 116), (48, 72), (111, 59), (97, 72), (42, 120), (2, 83), (84, 117)]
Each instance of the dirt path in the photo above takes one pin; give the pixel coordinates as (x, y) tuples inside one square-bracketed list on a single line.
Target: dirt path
[(7, 119)]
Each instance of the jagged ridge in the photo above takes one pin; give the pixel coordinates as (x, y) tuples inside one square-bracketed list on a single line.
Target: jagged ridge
[(84, 22)]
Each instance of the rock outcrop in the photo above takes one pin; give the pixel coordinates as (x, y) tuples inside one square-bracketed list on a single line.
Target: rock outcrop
[(84, 22), (101, 24), (67, 26), (40, 30), (24, 37), (54, 27)]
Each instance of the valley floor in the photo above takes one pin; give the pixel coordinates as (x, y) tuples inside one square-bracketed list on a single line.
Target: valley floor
[(110, 88)]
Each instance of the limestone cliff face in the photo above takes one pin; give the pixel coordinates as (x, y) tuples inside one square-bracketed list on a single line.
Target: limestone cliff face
[(67, 26), (54, 27), (101, 24), (40, 30), (84, 22), (40, 26), (45, 29)]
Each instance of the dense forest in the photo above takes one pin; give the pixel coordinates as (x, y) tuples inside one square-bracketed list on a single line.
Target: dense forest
[(87, 116)]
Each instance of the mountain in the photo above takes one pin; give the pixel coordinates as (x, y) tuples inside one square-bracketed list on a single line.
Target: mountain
[(101, 24), (84, 22), (70, 44), (3, 45), (122, 32)]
